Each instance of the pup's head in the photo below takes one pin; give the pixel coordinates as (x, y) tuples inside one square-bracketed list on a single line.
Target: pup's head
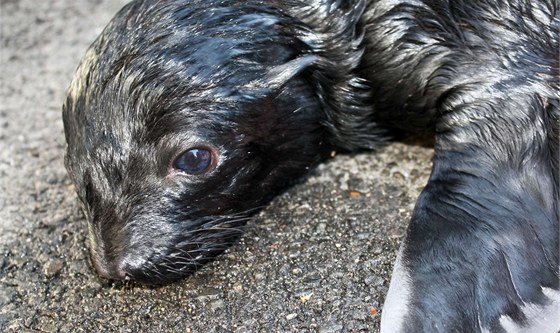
[(182, 119), (186, 116)]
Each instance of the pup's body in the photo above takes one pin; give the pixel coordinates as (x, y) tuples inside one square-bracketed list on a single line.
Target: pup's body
[(186, 116)]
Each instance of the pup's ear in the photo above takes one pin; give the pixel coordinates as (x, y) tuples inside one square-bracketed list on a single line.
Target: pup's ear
[(279, 75)]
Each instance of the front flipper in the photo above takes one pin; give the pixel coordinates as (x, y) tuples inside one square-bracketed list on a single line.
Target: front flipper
[(480, 254)]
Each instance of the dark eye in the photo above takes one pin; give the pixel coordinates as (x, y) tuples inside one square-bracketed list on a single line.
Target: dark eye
[(194, 161)]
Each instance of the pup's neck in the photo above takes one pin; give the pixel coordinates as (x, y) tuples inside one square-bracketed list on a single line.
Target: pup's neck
[(336, 37)]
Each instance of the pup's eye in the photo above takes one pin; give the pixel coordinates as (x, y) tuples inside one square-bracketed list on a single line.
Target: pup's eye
[(194, 161)]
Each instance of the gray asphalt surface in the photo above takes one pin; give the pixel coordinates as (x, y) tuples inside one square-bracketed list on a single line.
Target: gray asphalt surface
[(318, 259)]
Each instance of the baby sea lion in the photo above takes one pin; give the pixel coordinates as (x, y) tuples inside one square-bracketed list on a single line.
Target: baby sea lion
[(186, 116)]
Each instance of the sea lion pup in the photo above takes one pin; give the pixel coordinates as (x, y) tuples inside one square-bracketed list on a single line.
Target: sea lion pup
[(186, 116)]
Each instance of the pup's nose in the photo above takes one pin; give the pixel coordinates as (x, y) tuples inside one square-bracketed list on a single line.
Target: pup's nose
[(109, 269)]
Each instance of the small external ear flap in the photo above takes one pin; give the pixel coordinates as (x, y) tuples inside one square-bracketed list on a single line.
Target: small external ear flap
[(279, 75)]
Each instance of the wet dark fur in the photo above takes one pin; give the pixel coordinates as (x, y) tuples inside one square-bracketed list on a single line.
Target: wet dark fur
[(275, 86)]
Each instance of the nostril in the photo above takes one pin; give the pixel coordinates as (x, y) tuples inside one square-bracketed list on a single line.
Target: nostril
[(109, 269), (130, 268), (120, 273)]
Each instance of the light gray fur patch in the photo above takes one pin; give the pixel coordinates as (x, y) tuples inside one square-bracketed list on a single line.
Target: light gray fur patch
[(398, 297)]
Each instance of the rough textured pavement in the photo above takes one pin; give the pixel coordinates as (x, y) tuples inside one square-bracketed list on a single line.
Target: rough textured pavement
[(318, 259)]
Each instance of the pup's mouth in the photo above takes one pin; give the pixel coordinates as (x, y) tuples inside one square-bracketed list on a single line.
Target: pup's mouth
[(171, 259)]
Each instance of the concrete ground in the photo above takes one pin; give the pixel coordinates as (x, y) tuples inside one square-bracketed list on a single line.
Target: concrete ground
[(318, 259)]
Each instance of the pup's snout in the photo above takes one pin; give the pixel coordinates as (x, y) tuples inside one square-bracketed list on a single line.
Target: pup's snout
[(109, 269)]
